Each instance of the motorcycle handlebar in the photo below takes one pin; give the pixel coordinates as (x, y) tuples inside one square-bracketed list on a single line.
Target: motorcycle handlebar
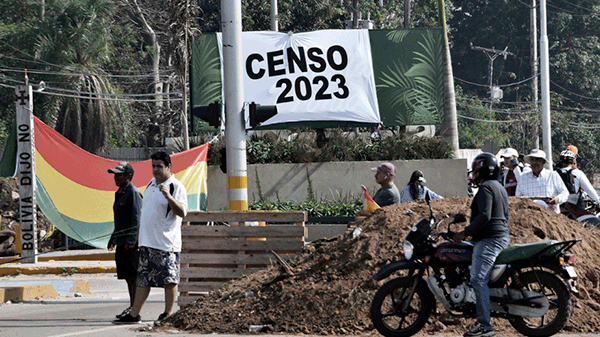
[(447, 235)]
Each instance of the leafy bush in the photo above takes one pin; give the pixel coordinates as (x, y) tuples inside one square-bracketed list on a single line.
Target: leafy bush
[(337, 146), (313, 207)]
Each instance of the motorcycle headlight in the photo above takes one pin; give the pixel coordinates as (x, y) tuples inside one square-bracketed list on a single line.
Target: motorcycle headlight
[(408, 249)]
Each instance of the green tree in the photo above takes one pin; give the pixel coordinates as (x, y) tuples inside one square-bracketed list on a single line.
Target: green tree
[(76, 37)]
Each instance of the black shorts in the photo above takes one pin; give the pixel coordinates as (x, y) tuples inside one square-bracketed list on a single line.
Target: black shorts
[(127, 262)]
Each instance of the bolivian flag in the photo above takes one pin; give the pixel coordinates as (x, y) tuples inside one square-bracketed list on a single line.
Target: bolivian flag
[(76, 193), (370, 204)]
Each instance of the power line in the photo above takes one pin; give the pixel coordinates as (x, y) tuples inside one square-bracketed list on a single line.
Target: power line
[(574, 94), (98, 98), (488, 120)]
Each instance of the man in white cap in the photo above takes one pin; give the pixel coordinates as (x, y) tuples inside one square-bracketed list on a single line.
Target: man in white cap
[(542, 183), (515, 170)]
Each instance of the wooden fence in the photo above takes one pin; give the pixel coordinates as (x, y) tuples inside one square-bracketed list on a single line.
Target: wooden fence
[(214, 255)]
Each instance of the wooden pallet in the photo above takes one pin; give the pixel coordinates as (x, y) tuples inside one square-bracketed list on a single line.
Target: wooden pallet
[(214, 255)]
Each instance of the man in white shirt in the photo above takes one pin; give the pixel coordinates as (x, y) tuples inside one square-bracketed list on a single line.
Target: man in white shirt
[(542, 183), (163, 209)]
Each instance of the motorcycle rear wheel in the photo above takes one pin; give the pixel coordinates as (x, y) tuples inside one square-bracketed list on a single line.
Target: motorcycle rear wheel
[(387, 303), (560, 305)]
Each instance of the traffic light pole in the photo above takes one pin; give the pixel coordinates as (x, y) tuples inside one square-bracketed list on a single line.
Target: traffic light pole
[(235, 130)]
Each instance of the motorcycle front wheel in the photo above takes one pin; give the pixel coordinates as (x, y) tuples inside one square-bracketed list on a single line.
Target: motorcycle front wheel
[(558, 313), (388, 315)]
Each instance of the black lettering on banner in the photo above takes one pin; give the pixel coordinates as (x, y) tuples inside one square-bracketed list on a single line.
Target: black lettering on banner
[(249, 70), (27, 246), (343, 57), (27, 200), (27, 236), (294, 59), (321, 95), (341, 81), (313, 55), (287, 84), (273, 62), (24, 155), (300, 61), (307, 88)]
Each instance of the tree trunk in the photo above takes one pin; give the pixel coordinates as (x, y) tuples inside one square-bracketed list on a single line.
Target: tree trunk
[(151, 35), (449, 130)]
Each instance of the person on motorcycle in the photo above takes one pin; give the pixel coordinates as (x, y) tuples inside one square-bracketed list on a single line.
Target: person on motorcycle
[(578, 181), (490, 236)]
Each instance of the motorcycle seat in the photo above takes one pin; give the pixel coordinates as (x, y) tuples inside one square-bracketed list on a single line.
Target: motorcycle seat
[(524, 251)]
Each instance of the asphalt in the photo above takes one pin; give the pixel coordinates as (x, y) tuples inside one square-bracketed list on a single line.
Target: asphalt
[(72, 262)]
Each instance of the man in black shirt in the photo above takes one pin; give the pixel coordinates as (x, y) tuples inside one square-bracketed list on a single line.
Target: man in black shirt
[(127, 210), (490, 236)]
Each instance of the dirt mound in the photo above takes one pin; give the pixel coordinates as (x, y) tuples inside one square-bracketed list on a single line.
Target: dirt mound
[(10, 216), (331, 288)]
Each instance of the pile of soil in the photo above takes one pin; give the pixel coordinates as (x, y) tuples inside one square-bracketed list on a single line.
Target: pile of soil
[(330, 289)]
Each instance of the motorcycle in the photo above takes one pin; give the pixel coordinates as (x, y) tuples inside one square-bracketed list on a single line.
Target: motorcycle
[(530, 284)]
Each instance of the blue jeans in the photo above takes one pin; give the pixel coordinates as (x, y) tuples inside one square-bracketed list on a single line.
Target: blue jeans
[(484, 255)]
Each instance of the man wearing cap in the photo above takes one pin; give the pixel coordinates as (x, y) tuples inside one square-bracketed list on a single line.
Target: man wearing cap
[(514, 172), (127, 210), (541, 182), (388, 193)]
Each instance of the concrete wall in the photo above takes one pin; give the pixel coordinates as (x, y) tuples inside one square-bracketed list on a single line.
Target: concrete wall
[(335, 181)]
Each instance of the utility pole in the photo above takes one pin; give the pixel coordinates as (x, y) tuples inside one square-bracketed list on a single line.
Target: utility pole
[(492, 54), (407, 13), (545, 78), (233, 82), (534, 70), (354, 14), (274, 16)]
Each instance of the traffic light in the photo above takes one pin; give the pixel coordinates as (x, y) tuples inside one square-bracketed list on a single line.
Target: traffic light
[(209, 113), (223, 157), (260, 113)]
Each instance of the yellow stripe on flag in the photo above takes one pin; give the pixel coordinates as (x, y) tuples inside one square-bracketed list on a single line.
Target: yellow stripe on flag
[(370, 203)]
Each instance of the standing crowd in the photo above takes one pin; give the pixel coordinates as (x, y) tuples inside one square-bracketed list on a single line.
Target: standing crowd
[(563, 188)]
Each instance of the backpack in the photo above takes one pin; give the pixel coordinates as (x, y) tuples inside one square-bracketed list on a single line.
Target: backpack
[(568, 178)]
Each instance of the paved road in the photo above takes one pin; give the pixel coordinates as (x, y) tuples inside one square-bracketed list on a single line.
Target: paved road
[(90, 315)]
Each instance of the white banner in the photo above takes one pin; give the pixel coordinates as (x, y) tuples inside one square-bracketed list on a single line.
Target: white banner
[(316, 76)]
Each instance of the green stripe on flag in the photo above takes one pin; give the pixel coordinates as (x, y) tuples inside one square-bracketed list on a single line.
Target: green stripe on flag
[(8, 164)]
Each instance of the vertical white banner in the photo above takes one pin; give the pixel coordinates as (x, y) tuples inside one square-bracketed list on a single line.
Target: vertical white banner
[(26, 173)]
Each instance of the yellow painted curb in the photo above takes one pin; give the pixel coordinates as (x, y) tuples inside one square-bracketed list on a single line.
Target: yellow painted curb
[(56, 270), (27, 292), (80, 286)]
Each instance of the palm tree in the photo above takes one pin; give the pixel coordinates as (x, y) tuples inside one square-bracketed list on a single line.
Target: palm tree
[(76, 37)]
